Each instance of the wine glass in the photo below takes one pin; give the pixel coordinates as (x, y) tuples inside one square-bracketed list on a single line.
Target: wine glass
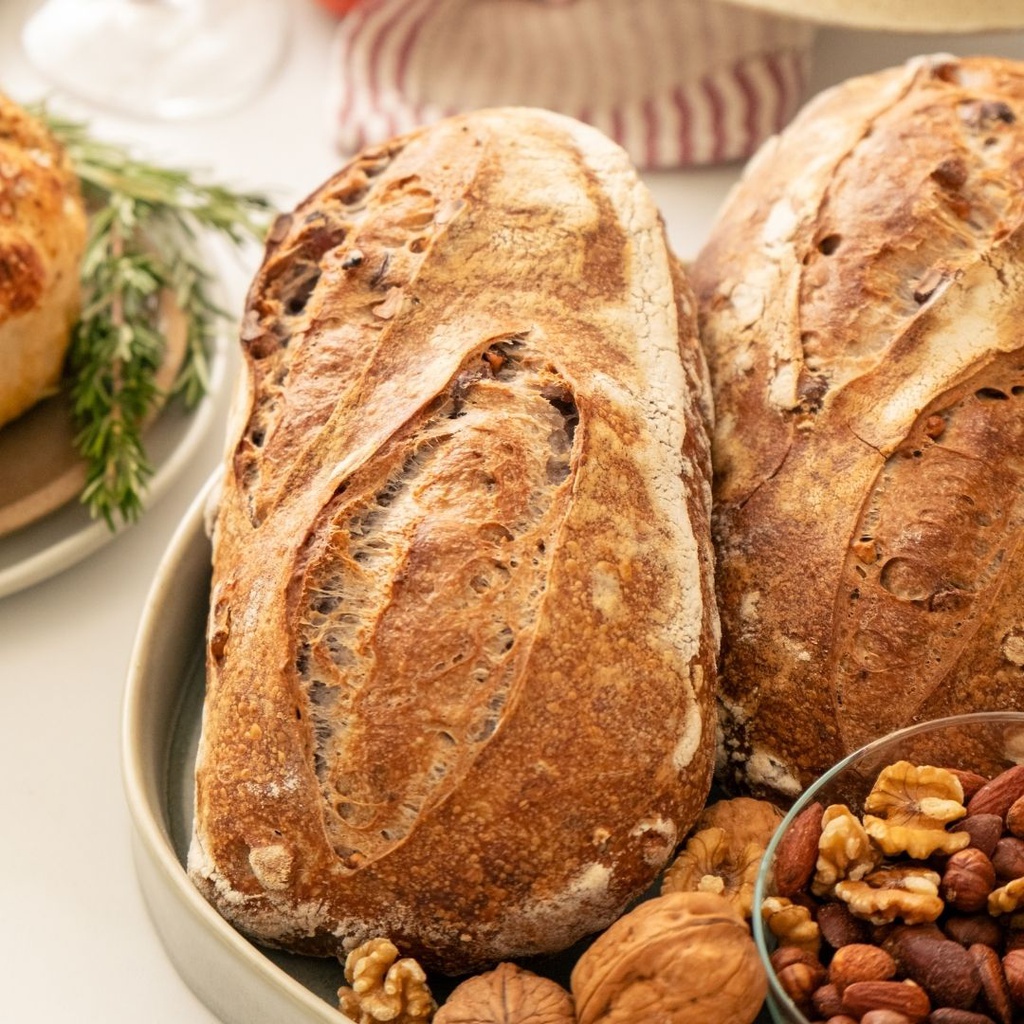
[(159, 58)]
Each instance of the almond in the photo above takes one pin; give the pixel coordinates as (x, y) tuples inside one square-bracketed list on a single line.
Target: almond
[(839, 927), (797, 852), (994, 988), (942, 967), (970, 781), (998, 795), (860, 962), (984, 830), (1008, 858), (951, 1015), (902, 996)]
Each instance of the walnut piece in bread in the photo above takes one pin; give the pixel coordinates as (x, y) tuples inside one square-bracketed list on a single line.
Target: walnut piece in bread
[(42, 236), (861, 300), (462, 634)]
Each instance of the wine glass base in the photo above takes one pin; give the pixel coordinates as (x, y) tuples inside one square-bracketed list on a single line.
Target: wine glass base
[(159, 58)]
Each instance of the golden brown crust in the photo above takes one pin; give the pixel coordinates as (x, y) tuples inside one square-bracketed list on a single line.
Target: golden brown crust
[(462, 635), (861, 299), (42, 235)]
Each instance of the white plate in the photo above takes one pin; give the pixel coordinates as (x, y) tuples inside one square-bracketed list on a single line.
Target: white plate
[(57, 541)]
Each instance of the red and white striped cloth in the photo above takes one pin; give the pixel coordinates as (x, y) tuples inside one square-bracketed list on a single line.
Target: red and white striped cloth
[(675, 82)]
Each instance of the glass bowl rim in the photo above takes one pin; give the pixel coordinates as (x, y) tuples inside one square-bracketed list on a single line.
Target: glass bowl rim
[(776, 993)]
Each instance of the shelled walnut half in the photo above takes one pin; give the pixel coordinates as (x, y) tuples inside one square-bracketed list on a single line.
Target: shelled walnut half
[(909, 808), (384, 988)]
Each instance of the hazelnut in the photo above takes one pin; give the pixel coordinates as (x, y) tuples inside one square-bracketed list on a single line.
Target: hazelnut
[(860, 962), (968, 879), (1008, 858), (885, 1017), (688, 953), (782, 957), (827, 1001), (799, 982), (1013, 969), (1015, 818)]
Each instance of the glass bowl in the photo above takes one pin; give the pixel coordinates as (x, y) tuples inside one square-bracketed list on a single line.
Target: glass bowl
[(987, 742)]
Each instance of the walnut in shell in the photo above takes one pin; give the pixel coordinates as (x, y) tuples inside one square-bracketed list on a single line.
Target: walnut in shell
[(507, 995), (681, 958)]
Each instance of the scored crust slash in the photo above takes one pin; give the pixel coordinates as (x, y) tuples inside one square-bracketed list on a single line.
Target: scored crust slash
[(861, 300), (462, 635)]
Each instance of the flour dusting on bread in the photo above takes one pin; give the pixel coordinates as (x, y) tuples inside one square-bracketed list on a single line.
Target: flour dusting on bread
[(462, 634)]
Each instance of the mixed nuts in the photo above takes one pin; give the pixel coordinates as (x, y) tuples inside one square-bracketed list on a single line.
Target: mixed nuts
[(911, 912), (907, 913)]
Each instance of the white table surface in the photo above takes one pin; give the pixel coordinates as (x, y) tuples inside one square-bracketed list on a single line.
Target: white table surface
[(75, 941)]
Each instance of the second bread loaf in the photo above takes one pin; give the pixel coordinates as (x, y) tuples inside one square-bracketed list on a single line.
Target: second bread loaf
[(862, 296)]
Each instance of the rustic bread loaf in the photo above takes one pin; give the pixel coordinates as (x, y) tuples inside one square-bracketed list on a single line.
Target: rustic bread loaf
[(862, 301), (462, 634), (42, 236)]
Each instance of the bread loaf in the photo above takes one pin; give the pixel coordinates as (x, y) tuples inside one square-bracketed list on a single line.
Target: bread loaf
[(462, 632), (862, 301), (42, 236)]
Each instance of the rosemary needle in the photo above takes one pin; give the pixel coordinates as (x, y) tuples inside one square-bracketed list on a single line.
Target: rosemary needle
[(145, 224)]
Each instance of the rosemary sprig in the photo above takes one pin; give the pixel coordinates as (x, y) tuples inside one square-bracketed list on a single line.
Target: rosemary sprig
[(145, 224)]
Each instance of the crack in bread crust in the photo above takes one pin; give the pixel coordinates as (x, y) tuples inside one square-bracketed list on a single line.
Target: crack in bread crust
[(861, 322), (462, 637)]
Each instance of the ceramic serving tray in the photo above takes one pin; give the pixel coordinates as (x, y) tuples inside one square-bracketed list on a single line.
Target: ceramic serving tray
[(240, 983)]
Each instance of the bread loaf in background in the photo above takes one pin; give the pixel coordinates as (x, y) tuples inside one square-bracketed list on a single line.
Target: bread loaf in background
[(862, 306), (462, 635), (42, 237)]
